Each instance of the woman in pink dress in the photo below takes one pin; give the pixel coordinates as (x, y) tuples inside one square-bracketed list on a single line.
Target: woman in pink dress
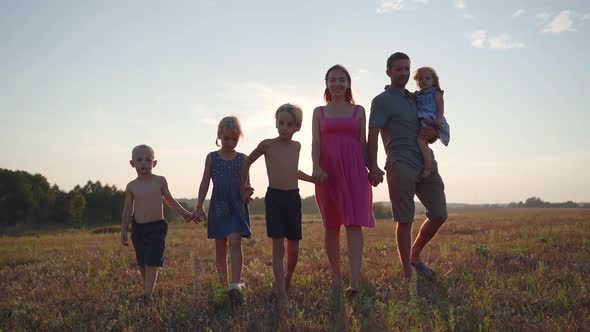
[(339, 152)]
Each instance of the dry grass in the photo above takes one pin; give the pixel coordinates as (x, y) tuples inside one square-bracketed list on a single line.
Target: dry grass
[(500, 269)]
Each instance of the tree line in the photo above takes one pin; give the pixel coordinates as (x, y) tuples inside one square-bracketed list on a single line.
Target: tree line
[(536, 202), (30, 199)]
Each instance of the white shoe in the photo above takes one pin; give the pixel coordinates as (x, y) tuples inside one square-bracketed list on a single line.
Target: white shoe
[(237, 286)]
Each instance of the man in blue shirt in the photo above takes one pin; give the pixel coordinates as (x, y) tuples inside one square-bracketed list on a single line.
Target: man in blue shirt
[(395, 116)]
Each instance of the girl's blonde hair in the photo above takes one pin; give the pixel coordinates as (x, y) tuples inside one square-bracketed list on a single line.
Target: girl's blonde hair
[(229, 122), (432, 72)]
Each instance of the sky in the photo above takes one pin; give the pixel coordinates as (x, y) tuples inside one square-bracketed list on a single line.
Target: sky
[(83, 82)]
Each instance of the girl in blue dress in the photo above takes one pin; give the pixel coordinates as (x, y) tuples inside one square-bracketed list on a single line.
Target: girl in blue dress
[(431, 110), (228, 219)]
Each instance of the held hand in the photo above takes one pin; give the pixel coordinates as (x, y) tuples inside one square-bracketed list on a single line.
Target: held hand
[(124, 240), (199, 215), (319, 175), (187, 216), (245, 194), (249, 192), (429, 134), (376, 176)]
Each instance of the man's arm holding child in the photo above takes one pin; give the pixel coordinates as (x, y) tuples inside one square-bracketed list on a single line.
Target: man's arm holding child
[(172, 203), (261, 149), (126, 218)]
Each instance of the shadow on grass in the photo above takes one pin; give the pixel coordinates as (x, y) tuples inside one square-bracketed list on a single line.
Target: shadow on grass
[(434, 293), (338, 317)]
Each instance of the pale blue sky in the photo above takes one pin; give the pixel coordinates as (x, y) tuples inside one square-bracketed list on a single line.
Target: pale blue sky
[(82, 83)]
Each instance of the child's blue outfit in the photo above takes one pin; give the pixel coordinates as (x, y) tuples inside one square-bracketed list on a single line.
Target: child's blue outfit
[(427, 110), (227, 213)]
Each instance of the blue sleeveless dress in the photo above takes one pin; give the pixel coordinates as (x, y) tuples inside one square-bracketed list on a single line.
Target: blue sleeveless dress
[(427, 110), (227, 213)]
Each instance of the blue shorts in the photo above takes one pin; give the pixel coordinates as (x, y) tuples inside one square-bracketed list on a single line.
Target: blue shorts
[(149, 241)]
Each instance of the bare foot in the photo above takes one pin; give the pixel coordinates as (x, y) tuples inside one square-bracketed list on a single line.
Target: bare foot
[(408, 275), (283, 306)]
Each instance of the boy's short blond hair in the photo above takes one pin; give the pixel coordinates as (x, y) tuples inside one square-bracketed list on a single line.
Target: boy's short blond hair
[(292, 109), (142, 147)]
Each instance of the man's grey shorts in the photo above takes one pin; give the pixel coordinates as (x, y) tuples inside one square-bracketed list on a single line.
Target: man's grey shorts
[(404, 182)]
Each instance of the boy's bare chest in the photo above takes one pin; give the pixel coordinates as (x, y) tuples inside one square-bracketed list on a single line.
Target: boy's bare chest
[(282, 155), (147, 190)]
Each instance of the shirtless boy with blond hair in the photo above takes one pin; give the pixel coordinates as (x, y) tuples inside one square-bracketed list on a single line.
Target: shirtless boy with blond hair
[(282, 201), (144, 197)]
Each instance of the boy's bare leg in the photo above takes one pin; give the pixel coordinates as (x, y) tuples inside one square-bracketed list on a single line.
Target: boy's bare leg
[(292, 258), (354, 236), (221, 260), (332, 242), (427, 231), (151, 275), (403, 235), (278, 254), (235, 256), (427, 156)]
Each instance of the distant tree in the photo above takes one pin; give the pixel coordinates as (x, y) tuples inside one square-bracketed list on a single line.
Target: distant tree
[(381, 211), (309, 205), (535, 202), (568, 204), (76, 206), (104, 203), (24, 197)]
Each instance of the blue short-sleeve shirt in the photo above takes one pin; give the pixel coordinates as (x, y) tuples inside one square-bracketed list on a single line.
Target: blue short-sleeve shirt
[(396, 114)]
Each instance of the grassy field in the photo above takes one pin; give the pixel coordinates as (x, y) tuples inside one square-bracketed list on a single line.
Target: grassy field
[(500, 269)]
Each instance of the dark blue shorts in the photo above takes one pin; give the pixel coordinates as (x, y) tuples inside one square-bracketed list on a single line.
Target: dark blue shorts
[(283, 214), (149, 241)]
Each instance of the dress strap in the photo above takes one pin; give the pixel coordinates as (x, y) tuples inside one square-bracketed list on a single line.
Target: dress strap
[(322, 112), (355, 111)]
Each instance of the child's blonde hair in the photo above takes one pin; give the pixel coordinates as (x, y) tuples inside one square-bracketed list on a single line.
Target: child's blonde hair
[(229, 122), (432, 72), (292, 109), (142, 147)]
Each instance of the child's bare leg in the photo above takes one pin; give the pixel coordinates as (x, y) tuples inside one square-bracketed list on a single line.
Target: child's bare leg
[(292, 258), (221, 260), (427, 156), (151, 275), (354, 236), (142, 271), (278, 254), (332, 242), (235, 256), (403, 235)]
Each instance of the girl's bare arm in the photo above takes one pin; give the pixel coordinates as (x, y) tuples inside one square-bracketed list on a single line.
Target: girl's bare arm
[(205, 181), (363, 132)]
